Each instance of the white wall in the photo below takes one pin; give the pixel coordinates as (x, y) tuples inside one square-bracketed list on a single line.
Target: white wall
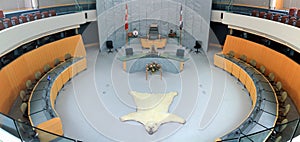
[(196, 16)]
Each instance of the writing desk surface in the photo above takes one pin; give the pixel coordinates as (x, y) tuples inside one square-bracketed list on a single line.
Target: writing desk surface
[(149, 55)]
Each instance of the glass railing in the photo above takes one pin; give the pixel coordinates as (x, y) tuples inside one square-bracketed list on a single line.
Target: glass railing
[(12, 130), (285, 132)]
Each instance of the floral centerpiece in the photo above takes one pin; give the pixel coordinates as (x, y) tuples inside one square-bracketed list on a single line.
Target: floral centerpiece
[(153, 67)]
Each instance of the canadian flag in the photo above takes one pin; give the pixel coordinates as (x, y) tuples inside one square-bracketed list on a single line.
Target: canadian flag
[(180, 19), (126, 17)]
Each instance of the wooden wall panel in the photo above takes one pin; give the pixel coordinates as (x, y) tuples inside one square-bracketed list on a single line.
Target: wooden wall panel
[(285, 70)]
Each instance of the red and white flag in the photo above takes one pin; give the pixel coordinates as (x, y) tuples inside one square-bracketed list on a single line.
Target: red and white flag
[(126, 17), (180, 19)]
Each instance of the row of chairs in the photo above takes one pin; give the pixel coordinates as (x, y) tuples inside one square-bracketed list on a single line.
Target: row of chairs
[(23, 18), (283, 18), (281, 96), (25, 94)]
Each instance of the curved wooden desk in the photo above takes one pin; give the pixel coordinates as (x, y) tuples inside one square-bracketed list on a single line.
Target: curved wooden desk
[(264, 110), (41, 103)]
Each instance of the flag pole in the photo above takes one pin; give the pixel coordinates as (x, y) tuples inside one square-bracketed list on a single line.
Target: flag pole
[(180, 38), (126, 37)]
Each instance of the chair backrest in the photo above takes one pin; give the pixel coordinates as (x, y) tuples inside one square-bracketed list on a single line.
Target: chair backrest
[(262, 14), (269, 16), (180, 53), (38, 75), (1, 26), (129, 51), (292, 11), (68, 56), (198, 44), (23, 95), (298, 23), (30, 17), (45, 14), (253, 62), (109, 44), (278, 139), (276, 17), (28, 84), (298, 13), (2, 14), (271, 76), (286, 110), (278, 85), (283, 124), (284, 19), (47, 68), (38, 15), (254, 13), (292, 20), (262, 69), (231, 54), (283, 97), (7, 22), (23, 19), (23, 108), (56, 61), (243, 58), (15, 20), (52, 13)]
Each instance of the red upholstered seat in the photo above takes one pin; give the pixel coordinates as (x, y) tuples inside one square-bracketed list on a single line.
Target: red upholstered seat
[(292, 20), (298, 13), (30, 17), (262, 14), (292, 11), (1, 26), (2, 14), (52, 13), (7, 22), (254, 13), (15, 20), (23, 19), (276, 17), (38, 15), (45, 14), (269, 16), (284, 19), (298, 23)]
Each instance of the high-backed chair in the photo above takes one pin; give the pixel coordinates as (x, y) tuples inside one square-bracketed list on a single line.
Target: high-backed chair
[(282, 98), (23, 19), (38, 75), (278, 139), (56, 61), (37, 15), (15, 20), (198, 45), (283, 112), (278, 87), (45, 14), (1, 14), (52, 13), (30, 17), (292, 11), (284, 19), (1, 26), (276, 17), (281, 125), (231, 54), (7, 22), (68, 56), (269, 16), (109, 46), (243, 58), (24, 109), (292, 21), (262, 14), (253, 63), (298, 23), (262, 69), (47, 68), (271, 77), (23, 96), (254, 13)]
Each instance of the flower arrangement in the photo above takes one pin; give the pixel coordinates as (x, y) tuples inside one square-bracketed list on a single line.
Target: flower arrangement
[(153, 67)]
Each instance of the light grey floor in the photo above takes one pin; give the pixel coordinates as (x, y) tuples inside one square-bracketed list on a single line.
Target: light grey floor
[(212, 102)]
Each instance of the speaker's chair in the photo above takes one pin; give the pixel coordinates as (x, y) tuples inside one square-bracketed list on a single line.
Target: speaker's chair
[(198, 46), (109, 46)]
